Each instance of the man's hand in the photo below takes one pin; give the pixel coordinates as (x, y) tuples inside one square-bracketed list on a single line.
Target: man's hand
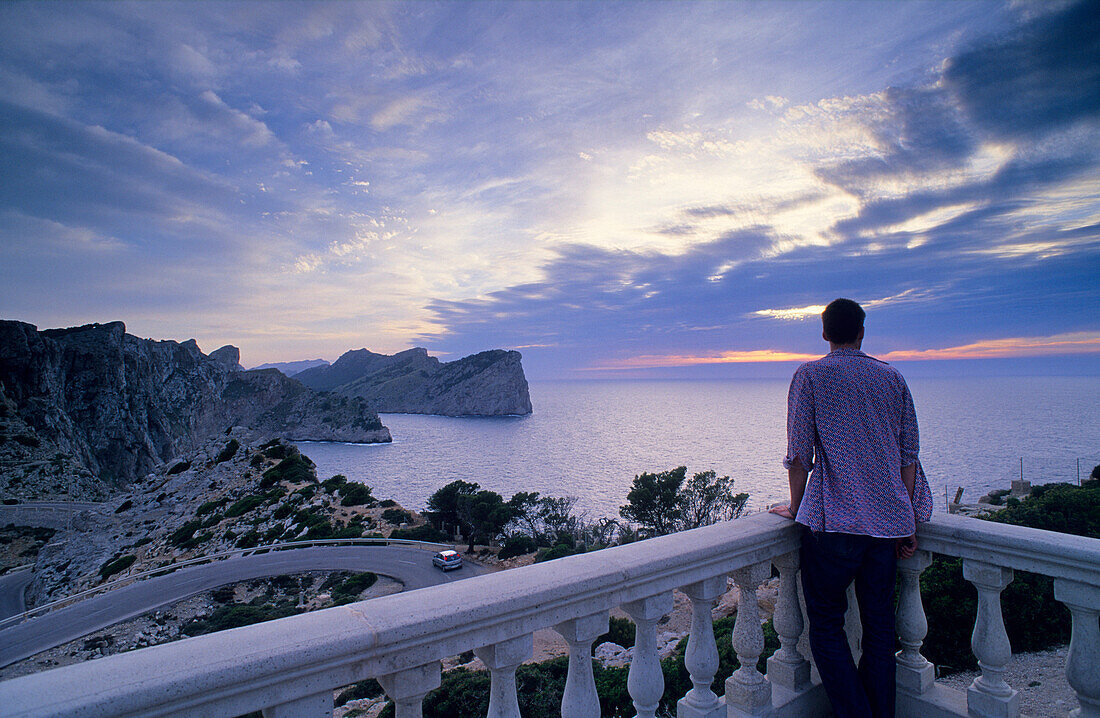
[(782, 510), (906, 547)]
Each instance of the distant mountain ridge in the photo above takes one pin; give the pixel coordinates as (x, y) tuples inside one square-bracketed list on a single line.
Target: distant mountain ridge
[(96, 407), (490, 383), (290, 368)]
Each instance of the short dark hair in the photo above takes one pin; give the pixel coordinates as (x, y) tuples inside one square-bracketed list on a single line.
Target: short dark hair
[(842, 320)]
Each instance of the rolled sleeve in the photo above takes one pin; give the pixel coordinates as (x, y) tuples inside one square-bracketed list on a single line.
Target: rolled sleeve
[(909, 436), (800, 421)]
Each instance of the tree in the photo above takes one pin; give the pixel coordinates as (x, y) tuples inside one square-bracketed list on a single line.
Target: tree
[(708, 498), (1095, 472), (557, 516), (443, 505), (525, 515), (484, 514), (654, 501)]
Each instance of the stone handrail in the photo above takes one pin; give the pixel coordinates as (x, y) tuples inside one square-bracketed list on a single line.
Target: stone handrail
[(290, 667), (200, 560)]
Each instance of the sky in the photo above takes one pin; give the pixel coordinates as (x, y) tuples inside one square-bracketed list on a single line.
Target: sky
[(616, 189)]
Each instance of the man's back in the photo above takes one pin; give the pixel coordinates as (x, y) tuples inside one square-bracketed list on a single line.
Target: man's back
[(851, 418)]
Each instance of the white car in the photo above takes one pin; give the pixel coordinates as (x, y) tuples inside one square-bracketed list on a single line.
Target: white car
[(447, 560)]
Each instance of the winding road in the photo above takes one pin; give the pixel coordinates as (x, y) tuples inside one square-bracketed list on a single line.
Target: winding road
[(412, 566)]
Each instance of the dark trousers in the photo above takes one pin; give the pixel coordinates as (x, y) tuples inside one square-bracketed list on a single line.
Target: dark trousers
[(830, 562)]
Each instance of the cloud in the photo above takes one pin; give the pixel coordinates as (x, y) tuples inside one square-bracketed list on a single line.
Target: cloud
[(1043, 76), (1058, 344)]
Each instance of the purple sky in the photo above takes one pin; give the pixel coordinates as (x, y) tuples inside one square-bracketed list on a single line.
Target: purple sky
[(615, 189)]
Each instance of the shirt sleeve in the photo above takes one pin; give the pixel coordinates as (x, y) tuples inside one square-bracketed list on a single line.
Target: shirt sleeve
[(800, 421), (909, 436)]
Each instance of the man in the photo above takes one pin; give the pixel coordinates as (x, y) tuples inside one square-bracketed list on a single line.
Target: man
[(858, 490)]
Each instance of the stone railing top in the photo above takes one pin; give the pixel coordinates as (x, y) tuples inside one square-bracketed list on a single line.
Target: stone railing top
[(236, 671), (1025, 549), (225, 673)]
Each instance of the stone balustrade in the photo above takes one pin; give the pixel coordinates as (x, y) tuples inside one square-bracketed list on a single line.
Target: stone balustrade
[(290, 667)]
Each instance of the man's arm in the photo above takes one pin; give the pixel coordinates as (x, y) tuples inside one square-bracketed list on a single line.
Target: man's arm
[(907, 546), (796, 479)]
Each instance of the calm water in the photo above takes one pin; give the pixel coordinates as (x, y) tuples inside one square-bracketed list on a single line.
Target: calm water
[(589, 439)]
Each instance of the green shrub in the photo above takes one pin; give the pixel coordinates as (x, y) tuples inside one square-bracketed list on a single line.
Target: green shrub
[(236, 615), (619, 631), (356, 495), (282, 512), (248, 540), (224, 594), (116, 565), (179, 468), (331, 485), (387, 503), (228, 452), (560, 550), (184, 533), (516, 545), (349, 531), (244, 506), (256, 461), (210, 506), (397, 516), (349, 589), (195, 541), (425, 532), (307, 492), (294, 469)]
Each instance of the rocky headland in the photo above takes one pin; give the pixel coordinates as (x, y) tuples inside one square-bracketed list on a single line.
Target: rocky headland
[(490, 383), (85, 411)]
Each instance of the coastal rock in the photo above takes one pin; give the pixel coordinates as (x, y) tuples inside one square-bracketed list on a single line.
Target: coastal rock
[(229, 357), (92, 407), (490, 383)]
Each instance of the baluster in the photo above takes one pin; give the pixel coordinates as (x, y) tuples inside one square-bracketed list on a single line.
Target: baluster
[(1083, 602), (580, 699), (989, 695), (645, 681), (503, 659), (701, 656), (747, 692), (316, 706), (407, 688), (914, 673), (788, 667)]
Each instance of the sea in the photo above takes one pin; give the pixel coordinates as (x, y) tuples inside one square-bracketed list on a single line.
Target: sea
[(589, 439)]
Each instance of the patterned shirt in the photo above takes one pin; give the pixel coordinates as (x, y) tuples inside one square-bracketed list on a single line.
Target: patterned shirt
[(851, 423)]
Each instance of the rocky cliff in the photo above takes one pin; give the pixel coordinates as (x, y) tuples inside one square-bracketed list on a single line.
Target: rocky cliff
[(94, 407), (490, 383)]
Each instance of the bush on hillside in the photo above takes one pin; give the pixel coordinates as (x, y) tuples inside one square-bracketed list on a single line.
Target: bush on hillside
[(243, 506), (517, 545), (116, 565), (426, 532), (356, 495), (294, 469), (228, 452), (397, 516)]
